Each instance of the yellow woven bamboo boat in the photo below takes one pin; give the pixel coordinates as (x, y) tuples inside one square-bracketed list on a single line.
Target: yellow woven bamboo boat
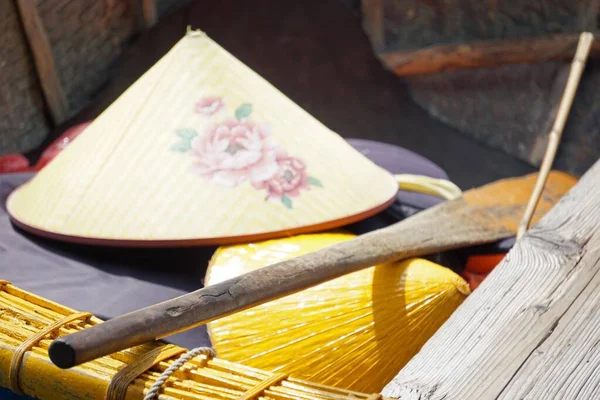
[(28, 323)]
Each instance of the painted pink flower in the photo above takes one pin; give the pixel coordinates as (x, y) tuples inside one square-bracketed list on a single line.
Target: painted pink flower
[(235, 150), (209, 105), (289, 179)]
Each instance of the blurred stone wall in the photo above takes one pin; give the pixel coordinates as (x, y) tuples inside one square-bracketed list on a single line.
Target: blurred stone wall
[(87, 37), (23, 123), (412, 24), (164, 7), (508, 107)]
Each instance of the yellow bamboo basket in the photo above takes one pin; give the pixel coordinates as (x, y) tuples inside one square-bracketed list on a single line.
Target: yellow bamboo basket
[(28, 323)]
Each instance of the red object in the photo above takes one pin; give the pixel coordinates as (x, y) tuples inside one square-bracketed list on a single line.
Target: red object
[(473, 279), (59, 144), (479, 266), (12, 163), (483, 263)]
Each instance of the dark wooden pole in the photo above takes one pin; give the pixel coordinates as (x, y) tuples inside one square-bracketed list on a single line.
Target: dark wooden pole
[(481, 216)]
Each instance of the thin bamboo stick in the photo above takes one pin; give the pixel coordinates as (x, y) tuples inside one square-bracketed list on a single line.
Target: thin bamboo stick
[(577, 67)]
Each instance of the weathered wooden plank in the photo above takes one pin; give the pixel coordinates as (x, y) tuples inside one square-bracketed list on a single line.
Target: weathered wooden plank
[(531, 329), (483, 54), (565, 365), (44, 60)]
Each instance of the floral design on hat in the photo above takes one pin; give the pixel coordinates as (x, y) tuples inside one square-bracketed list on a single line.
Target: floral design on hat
[(237, 150)]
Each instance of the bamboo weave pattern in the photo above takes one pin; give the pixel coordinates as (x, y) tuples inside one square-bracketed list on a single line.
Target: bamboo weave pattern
[(23, 315)]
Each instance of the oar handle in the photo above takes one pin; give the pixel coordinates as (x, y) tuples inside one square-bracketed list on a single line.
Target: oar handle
[(408, 238), (481, 216)]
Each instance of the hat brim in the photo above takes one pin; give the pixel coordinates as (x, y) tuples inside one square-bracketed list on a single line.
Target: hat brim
[(209, 241)]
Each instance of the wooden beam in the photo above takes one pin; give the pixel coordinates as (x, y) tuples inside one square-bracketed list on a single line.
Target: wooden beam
[(372, 11), (532, 328), (44, 60), (482, 54)]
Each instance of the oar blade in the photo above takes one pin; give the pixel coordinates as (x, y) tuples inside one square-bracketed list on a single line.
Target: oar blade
[(507, 199)]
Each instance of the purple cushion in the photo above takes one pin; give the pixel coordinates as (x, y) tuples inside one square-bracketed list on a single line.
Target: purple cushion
[(398, 160)]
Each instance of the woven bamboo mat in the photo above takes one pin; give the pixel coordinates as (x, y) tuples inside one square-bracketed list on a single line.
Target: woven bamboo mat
[(23, 316)]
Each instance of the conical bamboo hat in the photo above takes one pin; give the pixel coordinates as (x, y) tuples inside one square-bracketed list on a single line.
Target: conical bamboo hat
[(200, 150), (354, 332)]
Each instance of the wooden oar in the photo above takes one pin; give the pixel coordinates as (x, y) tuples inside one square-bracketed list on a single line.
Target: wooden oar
[(480, 216)]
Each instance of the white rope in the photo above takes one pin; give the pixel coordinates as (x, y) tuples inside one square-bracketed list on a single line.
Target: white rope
[(157, 385)]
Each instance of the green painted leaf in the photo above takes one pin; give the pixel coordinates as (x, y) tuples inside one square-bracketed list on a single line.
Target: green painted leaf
[(286, 201), (181, 146), (243, 111), (187, 133), (314, 181)]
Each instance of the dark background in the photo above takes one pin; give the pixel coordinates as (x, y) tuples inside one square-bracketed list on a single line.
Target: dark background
[(317, 53)]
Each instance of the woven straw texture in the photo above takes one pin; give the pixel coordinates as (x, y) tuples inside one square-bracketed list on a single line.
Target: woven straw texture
[(201, 149), (23, 314)]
